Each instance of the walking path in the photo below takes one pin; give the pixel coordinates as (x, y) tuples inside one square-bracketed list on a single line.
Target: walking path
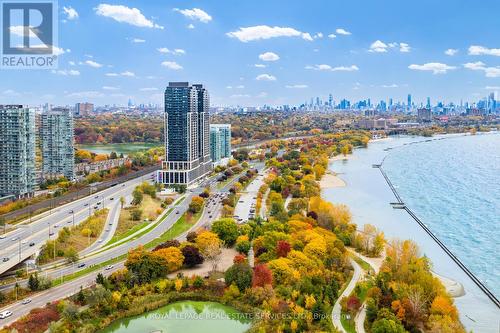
[(337, 309), (263, 207)]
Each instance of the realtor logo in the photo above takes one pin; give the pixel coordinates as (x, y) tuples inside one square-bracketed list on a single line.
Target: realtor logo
[(29, 34)]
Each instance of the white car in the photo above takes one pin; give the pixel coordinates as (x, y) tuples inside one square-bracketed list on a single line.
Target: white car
[(109, 267), (2, 237), (5, 314), (26, 301)]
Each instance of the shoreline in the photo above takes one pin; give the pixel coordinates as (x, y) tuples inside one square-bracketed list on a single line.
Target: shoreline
[(331, 180)]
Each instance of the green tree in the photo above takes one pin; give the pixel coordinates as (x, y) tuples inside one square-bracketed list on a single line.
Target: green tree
[(387, 326), (239, 274), (71, 255), (137, 197), (34, 282), (227, 230), (136, 214)]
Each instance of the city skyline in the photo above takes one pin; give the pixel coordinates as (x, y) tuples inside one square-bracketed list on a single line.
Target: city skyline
[(267, 58)]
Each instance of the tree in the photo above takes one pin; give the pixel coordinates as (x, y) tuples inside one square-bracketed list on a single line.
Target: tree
[(282, 248), (3, 223), (172, 257), (34, 282), (122, 202), (196, 204), (191, 236), (71, 255), (262, 276), (206, 238), (137, 197), (387, 326), (239, 274), (192, 256), (136, 214), (169, 243), (144, 265), (212, 253), (227, 230)]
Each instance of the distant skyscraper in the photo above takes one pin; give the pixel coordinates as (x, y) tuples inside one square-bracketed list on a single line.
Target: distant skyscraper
[(17, 151), (186, 134), (330, 100), (57, 143), (390, 102), (220, 141), (428, 106), (82, 109), (409, 102)]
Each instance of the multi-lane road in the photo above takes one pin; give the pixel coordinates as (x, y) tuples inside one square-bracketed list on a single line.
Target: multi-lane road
[(96, 256), (28, 238)]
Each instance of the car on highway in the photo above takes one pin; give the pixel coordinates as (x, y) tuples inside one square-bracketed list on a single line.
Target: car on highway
[(80, 265), (210, 216), (32, 244), (51, 234), (85, 205), (109, 267), (55, 225), (14, 239), (98, 203), (2, 237), (26, 301), (111, 198), (96, 197), (5, 259), (177, 212), (5, 314), (95, 207)]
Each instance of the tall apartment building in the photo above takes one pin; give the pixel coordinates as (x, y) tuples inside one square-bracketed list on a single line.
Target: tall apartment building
[(187, 142), (220, 141), (84, 109), (57, 143), (17, 151)]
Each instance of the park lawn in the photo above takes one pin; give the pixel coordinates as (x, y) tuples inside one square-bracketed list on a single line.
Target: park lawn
[(347, 324), (150, 207), (183, 224), (77, 239)]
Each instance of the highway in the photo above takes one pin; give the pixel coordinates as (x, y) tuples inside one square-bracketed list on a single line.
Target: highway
[(21, 243), (210, 213)]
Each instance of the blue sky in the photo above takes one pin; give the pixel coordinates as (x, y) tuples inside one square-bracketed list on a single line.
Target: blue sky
[(274, 52)]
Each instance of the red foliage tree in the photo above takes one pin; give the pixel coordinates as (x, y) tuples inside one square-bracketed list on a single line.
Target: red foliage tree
[(239, 259), (262, 276), (353, 304), (282, 248)]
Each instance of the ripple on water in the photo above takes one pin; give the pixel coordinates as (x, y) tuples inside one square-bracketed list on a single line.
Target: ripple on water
[(453, 186)]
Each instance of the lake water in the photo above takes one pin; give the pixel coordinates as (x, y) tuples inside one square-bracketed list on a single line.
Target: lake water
[(119, 148), (452, 184), (185, 317)]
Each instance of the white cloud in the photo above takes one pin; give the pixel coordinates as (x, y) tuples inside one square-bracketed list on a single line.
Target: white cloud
[(65, 72), (269, 56), (389, 85), (296, 86), (404, 47), (71, 13), (451, 52), (240, 87), (265, 77), (190, 26), (332, 36), (127, 73), (341, 31), (324, 67), (434, 67), (126, 14), (171, 65), (378, 46), (111, 88), (72, 63), (262, 94), (138, 40), (481, 50), (492, 87), (258, 32), (318, 35), (175, 51), (10, 92), (149, 89), (59, 51), (86, 94), (195, 14), (480, 66), (92, 63), (260, 65)]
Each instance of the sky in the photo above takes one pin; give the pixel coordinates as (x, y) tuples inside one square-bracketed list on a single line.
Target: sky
[(273, 52)]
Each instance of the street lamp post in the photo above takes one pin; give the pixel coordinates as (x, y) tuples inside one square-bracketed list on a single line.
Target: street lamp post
[(73, 212), (19, 242)]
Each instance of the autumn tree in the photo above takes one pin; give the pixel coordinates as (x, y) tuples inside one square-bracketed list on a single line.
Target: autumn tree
[(262, 276), (239, 274), (227, 230), (196, 204), (172, 257), (192, 256)]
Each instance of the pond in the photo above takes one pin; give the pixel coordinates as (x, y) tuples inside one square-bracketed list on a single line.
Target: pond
[(125, 148), (185, 317)]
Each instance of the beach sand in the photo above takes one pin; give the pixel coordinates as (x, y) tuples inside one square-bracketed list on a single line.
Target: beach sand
[(331, 180)]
